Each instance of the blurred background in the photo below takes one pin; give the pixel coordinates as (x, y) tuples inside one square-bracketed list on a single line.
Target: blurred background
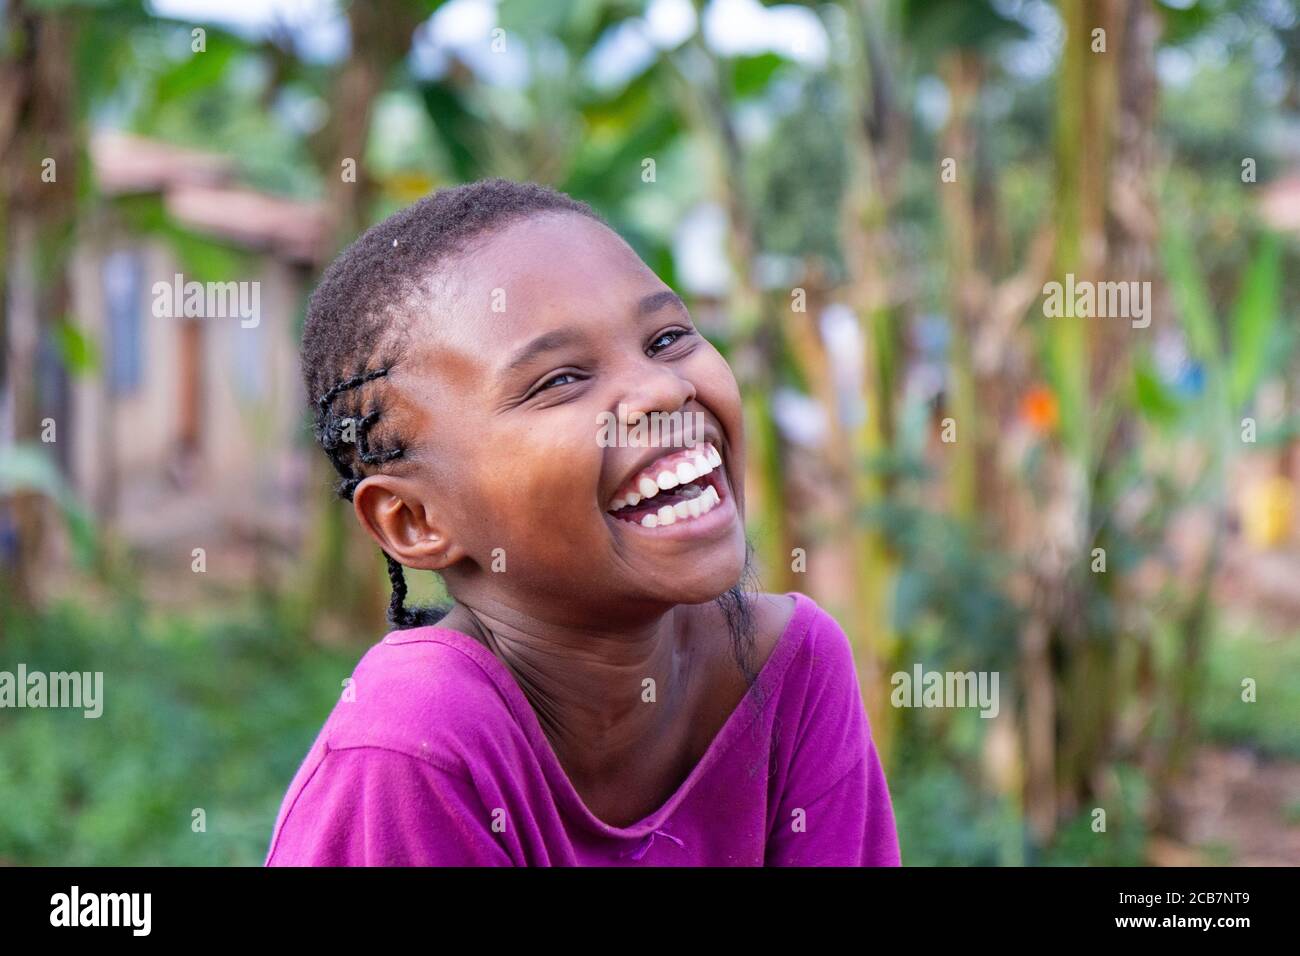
[(862, 202)]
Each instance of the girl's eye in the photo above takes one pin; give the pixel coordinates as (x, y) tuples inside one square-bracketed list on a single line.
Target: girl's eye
[(665, 340), (556, 381)]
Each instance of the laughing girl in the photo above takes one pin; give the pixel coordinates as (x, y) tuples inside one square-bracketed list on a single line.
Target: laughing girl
[(602, 690)]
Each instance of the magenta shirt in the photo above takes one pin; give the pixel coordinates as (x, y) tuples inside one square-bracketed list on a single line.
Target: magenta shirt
[(441, 761)]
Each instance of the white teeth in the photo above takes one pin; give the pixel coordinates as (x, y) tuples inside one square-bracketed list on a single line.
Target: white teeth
[(695, 507), (685, 472)]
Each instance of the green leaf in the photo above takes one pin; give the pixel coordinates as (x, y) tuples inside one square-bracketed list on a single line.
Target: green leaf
[(1254, 320), (602, 172), (459, 130), (199, 72), (934, 26), (1182, 22), (750, 75), (55, 6), (528, 17), (201, 258), (29, 468), (77, 350), (1154, 400), (1193, 300)]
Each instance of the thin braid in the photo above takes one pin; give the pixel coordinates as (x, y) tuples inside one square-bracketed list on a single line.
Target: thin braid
[(397, 610), (329, 430), (356, 381), (363, 443)]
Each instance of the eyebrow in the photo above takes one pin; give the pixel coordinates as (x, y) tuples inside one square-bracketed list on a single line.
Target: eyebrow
[(657, 300), (549, 342)]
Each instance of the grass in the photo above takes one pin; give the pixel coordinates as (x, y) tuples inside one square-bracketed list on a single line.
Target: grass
[(1271, 724), (210, 715)]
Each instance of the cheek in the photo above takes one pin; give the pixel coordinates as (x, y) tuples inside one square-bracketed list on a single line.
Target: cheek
[(718, 391), (536, 484)]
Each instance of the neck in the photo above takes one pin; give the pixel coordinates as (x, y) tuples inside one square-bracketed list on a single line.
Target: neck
[(589, 686)]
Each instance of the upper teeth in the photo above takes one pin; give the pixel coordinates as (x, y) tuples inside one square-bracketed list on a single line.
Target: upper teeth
[(661, 477)]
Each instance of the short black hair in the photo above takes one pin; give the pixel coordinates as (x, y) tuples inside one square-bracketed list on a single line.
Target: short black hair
[(356, 321)]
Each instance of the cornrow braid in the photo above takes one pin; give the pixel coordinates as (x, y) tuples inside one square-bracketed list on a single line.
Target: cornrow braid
[(331, 432), (356, 381), (359, 312)]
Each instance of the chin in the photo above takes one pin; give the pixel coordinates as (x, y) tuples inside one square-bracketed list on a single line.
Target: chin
[(705, 578)]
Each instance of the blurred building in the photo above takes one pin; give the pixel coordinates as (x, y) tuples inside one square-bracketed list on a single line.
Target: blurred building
[(188, 426)]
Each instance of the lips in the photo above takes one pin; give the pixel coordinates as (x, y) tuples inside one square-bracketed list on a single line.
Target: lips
[(680, 486)]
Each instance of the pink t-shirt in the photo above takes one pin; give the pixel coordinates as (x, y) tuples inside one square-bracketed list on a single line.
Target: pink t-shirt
[(440, 761)]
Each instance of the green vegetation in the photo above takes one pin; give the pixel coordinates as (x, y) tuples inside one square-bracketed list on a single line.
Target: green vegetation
[(202, 711)]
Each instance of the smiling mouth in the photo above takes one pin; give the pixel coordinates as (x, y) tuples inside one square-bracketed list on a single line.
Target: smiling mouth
[(679, 487)]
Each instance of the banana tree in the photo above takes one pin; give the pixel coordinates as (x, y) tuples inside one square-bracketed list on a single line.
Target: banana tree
[(1234, 354)]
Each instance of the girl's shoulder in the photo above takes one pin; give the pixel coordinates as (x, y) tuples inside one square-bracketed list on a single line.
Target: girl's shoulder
[(773, 614), (820, 653), (797, 618), (426, 692), (820, 704), (798, 646)]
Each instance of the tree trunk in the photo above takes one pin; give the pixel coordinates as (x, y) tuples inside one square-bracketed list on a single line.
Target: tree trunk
[(346, 578), (38, 154)]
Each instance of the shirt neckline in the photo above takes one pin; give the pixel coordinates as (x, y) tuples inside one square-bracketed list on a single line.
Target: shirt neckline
[(737, 721)]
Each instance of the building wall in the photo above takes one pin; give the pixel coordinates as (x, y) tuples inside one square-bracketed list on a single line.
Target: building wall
[(127, 419), (124, 412), (254, 398)]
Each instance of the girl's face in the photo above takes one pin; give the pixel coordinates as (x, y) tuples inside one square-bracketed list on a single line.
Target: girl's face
[(521, 403)]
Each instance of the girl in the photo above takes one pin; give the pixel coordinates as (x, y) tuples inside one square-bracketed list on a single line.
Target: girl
[(602, 691)]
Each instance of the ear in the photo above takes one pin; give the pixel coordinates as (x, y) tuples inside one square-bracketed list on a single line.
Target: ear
[(393, 513)]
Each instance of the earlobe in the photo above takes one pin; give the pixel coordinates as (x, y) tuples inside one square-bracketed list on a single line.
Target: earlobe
[(392, 513)]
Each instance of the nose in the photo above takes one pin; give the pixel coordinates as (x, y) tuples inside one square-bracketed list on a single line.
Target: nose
[(656, 387)]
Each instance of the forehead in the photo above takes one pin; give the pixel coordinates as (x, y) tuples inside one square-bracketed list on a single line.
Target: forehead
[(553, 270), (552, 256)]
